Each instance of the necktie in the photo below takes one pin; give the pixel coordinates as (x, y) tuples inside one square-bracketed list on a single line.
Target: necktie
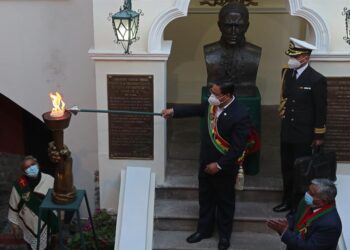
[(294, 75)]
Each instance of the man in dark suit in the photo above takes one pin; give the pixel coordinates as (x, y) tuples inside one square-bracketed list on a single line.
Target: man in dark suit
[(316, 224), (223, 141), (303, 110)]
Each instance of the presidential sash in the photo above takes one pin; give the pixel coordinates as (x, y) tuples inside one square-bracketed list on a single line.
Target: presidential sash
[(253, 142)]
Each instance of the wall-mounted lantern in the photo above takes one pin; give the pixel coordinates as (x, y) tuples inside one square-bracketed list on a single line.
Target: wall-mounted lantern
[(125, 25)]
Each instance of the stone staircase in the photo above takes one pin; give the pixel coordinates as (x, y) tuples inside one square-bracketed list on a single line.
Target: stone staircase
[(176, 206)]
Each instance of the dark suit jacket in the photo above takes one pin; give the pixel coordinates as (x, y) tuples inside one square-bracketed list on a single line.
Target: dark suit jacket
[(323, 233), (234, 125), (304, 113)]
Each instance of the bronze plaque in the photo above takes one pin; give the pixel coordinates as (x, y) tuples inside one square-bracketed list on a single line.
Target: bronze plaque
[(338, 117), (130, 136)]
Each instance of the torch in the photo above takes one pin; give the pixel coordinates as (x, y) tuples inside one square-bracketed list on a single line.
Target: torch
[(57, 120)]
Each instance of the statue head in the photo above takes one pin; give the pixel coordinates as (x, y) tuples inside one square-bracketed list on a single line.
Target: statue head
[(233, 23)]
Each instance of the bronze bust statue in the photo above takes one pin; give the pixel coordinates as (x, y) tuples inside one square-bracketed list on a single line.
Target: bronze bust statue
[(232, 57)]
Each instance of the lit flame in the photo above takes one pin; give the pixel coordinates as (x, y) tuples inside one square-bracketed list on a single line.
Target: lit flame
[(58, 105)]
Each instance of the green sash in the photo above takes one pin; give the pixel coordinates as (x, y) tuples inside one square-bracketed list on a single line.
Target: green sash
[(305, 217), (33, 201)]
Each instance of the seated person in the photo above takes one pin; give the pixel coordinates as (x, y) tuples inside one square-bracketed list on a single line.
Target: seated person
[(316, 223), (27, 194)]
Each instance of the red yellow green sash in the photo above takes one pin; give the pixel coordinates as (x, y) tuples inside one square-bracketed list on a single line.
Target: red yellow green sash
[(253, 142), (308, 217), (220, 143)]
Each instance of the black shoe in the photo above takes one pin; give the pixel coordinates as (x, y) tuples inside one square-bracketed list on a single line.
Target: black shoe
[(224, 244), (284, 207), (197, 237)]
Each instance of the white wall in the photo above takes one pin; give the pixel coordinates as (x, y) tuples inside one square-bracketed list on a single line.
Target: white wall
[(110, 169), (44, 47), (331, 12), (145, 59)]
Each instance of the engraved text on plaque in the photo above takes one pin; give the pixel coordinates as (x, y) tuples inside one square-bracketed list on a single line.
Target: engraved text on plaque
[(130, 136)]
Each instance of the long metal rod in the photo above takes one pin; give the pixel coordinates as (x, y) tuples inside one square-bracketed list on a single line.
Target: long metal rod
[(127, 112)]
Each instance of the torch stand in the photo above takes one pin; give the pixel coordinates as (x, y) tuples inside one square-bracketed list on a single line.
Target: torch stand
[(64, 191)]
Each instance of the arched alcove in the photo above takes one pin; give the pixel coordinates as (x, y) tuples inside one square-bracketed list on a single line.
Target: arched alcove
[(270, 29), (156, 43), (320, 32)]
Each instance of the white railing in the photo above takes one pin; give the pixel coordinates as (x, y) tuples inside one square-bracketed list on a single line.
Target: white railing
[(134, 229)]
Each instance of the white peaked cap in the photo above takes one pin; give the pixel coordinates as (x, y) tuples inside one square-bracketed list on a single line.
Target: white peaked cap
[(302, 44), (298, 47)]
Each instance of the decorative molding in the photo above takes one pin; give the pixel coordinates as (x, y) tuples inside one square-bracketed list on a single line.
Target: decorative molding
[(322, 36), (199, 10), (111, 55), (223, 2), (156, 44), (330, 57)]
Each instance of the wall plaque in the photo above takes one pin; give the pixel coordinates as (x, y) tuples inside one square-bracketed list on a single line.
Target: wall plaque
[(338, 117), (130, 136)]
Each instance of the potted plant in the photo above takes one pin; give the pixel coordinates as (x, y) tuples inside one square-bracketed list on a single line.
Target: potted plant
[(104, 224)]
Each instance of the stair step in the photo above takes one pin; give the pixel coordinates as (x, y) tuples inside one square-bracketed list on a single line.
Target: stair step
[(258, 189), (183, 215), (184, 150), (176, 240), (182, 167)]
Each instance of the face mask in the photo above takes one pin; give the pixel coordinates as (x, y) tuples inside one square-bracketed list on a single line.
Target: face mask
[(293, 63), (32, 171), (308, 199), (213, 100)]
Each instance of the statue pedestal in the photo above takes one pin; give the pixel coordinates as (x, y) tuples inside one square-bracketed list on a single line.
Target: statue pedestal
[(253, 104)]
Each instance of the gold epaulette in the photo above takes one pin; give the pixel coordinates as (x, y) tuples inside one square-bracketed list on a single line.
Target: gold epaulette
[(282, 108), (320, 130)]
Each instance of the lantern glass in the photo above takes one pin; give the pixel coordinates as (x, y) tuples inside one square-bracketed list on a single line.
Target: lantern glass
[(125, 25), (134, 27), (122, 29)]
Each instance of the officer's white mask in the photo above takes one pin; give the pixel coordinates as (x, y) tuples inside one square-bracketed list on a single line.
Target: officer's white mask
[(293, 63)]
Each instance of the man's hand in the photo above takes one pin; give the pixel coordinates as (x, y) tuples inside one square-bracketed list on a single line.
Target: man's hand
[(167, 113), (16, 231), (212, 168), (278, 225)]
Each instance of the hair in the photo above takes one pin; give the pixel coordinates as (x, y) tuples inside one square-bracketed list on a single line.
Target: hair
[(234, 7), (29, 157), (227, 88), (326, 189)]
